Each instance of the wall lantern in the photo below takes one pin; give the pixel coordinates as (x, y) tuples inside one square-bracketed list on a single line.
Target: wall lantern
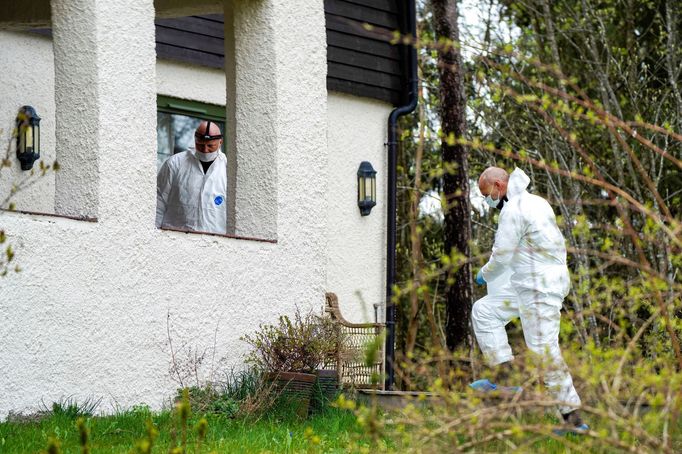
[(367, 188), (28, 137)]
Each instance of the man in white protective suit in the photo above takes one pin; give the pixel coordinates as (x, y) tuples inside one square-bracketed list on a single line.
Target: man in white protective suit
[(528, 278), (191, 186)]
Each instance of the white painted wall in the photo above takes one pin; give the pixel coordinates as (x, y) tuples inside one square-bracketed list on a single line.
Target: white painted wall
[(255, 110), (356, 260), (196, 83), (87, 316), (27, 78)]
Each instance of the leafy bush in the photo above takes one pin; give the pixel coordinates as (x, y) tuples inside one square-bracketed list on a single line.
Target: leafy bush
[(230, 397), (240, 385), (210, 400), (299, 345)]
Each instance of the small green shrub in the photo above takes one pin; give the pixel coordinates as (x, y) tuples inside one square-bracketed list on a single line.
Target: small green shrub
[(70, 408), (240, 385), (298, 345), (211, 400), (234, 395)]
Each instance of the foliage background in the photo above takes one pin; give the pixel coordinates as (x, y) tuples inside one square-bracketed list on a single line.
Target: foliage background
[(584, 96)]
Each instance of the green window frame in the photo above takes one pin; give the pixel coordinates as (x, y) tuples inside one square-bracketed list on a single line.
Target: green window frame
[(170, 112), (169, 104)]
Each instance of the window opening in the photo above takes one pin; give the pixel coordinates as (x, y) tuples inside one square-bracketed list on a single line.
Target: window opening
[(176, 121)]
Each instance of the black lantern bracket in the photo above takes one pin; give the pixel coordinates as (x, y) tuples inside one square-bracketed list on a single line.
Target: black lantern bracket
[(28, 137)]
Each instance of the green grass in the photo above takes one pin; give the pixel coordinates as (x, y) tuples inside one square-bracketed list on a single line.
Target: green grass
[(335, 431), (118, 434)]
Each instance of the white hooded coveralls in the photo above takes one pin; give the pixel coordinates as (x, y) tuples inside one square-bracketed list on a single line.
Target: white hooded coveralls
[(188, 199), (527, 278)]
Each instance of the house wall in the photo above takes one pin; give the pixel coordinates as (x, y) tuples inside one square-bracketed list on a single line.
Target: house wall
[(27, 78), (87, 316), (97, 305), (185, 81), (356, 261)]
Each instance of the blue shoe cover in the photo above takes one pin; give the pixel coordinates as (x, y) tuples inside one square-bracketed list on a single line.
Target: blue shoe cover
[(483, 385), (577, 430), (486, 385)]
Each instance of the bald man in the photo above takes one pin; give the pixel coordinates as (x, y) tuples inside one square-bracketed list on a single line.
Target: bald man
[(191, 186), (527, 278)]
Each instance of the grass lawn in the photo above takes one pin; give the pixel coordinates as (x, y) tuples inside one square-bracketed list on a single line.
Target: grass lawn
[(334, 431), (118, 434)]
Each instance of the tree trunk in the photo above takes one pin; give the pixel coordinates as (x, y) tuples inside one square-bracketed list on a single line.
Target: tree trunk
[(415, 236), (457, 223)]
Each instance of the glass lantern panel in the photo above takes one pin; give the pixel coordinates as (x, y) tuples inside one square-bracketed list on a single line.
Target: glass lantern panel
[(374, 189), (36, 138), (368, 188), (21, 143), (361, 189), (28, 137)]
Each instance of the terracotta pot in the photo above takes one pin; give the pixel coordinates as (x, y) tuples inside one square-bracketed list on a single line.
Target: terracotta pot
[(294, 389), (325, 390)]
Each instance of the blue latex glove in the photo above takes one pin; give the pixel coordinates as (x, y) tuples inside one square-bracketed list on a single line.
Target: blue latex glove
[(479, 278)]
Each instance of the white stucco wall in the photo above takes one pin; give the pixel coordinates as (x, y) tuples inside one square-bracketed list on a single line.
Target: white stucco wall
[(27, 78), (356, 260), (196, 83), (255, 110), (87, 316)]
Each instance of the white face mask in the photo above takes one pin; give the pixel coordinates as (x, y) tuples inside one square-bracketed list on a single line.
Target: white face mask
[(492, 202), (207, 157)]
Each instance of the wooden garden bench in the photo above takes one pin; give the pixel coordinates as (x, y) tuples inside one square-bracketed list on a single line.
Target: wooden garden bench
[(350, 354)]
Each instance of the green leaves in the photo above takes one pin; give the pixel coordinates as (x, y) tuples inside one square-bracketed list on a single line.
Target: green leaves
[(298, 345)]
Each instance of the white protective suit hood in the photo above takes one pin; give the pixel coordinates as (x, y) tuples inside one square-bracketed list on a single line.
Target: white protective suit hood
[(517, 184), (528, 243)]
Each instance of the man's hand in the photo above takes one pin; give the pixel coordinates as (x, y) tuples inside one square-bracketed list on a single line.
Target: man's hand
[(479, 278)]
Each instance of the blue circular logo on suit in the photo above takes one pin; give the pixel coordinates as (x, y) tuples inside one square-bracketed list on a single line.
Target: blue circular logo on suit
[(218, 200)]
